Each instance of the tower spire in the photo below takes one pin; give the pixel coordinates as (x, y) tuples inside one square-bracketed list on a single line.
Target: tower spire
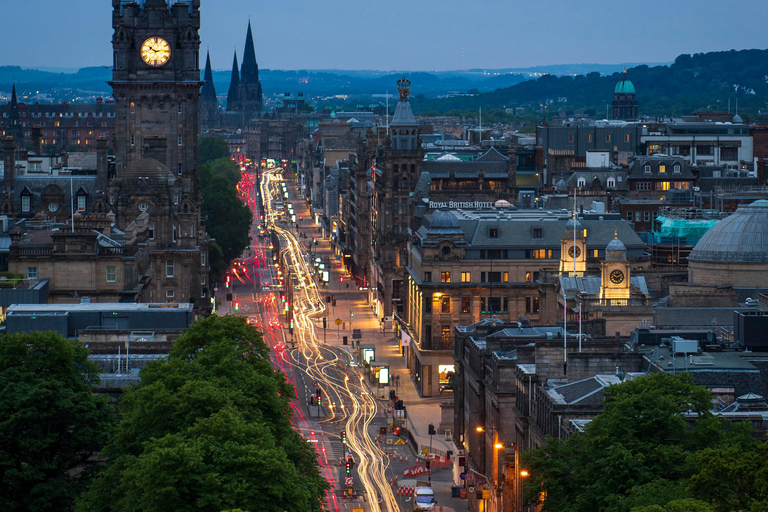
[(209, 90), (249, 74), (14, 99), (234, 84)]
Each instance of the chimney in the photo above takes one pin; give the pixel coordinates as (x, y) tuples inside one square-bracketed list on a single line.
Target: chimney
[(9, 158), (760, 168), (37, 140), (102, 169)]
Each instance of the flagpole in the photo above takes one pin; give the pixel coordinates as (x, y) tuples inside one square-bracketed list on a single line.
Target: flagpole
[(565, 328), (574, 232), (579, 326)]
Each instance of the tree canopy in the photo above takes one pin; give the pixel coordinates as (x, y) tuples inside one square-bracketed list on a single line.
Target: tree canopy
[(642, 454), (228, 220), (208, 429), (51, 423)]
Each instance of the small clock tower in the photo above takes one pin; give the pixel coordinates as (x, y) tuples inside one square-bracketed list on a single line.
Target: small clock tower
[(615, 271), (573, 250)]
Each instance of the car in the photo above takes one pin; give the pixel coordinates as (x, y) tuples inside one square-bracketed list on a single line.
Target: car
[(423, 499)]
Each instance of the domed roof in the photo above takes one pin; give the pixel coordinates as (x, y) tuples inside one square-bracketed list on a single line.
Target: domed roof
[(616, 245), (625, 86), (444, 223), (740, 237), (573, 224), (737, 119)]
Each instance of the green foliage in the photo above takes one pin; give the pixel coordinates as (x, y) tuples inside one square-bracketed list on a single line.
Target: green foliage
[(693, 82), (641, 454), (208, 429), (211, 148), (10, 280), (228, 220), (51, 423)]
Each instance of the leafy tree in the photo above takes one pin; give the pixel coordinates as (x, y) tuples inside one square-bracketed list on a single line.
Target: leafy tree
[(208, 429), (211, 148), (51, 423), (640, 452)]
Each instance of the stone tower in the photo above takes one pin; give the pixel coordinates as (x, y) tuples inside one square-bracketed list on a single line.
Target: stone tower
[(573, 250), (624, 103), (614, 283), (156, 84), (249, 90), (233, 95)]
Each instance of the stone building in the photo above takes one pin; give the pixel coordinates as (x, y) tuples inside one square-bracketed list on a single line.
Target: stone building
[(624, 104), (464, 265)]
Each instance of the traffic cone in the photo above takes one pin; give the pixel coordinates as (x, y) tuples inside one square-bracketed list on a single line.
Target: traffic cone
[(391, 483), (406, 458), (395, 478), (401, 457)]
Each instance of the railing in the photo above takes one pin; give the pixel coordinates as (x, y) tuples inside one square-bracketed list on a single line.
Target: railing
[(35, 251)]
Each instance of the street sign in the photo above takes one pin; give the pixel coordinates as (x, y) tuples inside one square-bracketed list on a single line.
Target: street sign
[(463, 476), (486, 494), (348, 480), (471, 488), (356, 334), (338, 321)]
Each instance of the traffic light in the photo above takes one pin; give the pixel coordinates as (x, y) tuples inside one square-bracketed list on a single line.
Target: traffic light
[(237, 306), (319, 397), (343, 436), (324, 322), (291, 323), (314, 241), (351, 314), (228, 278), (349, 468)]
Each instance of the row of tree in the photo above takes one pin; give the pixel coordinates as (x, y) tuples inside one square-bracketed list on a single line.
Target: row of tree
[(208, 428), (655, 448)]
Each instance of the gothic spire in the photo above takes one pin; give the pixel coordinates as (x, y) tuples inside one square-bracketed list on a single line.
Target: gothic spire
[(14, 99), (234, 84), (250, 71), (209, 90)]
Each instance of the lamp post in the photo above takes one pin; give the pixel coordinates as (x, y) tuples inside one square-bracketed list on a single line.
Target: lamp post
[(487, 470)]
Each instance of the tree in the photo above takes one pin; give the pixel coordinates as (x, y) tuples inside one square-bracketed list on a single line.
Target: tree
[(208, 429), (51, 423), (211, 148), (641, 451)]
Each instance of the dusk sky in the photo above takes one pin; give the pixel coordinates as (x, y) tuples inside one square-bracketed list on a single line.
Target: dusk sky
[(404, 35)]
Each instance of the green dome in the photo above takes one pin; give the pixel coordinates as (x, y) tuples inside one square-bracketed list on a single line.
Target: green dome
[(625, 86)]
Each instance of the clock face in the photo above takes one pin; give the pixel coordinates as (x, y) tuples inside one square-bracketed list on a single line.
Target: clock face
[(574, 251), (617, 277), (155, 51)]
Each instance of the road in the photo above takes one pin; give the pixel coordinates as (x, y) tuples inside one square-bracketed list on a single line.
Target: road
[(277, 281)]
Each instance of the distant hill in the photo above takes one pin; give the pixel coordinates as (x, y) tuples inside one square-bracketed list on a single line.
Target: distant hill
[(692, 82)]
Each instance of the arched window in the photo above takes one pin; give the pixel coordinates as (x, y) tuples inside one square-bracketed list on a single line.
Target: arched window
[(611, 183), (676, 168), (581, 182), (647, 168)]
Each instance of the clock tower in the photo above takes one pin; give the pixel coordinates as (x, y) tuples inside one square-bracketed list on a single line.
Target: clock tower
[(573, 250), (614, 283), (155, 190)]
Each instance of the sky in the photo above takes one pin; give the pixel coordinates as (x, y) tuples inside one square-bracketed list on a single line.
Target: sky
[(412, 35)]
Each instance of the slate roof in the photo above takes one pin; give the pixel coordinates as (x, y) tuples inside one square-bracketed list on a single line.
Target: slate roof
[(740, 237), (403, 116), (583, 392), (637, 168), (590, 285)]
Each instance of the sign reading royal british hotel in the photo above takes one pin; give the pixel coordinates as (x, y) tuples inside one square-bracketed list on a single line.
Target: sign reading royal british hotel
[(477, 205)]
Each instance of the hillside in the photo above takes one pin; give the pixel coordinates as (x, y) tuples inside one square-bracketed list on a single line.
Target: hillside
[(692, 82)]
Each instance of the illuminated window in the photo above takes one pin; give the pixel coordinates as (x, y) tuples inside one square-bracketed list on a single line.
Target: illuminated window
[(607, 137), (527, 277), (445, 336), (445, 304), (505, 277), (466, 277), (584, 232), (133, 108), (465, 302), (662, 185), (662, 169), (589, 138), (626, 138), (595, 253), (445, 277), (541, 254), (570, 137)]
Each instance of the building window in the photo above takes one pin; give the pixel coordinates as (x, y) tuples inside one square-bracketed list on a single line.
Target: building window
[(111, 198), (202, 287), (445, 336), (178, 109), (396, 230), (81, 203), (466, 277), (169, 270), (31, 272), (465, 302), (445, 304), (589, 137), (541, 254), (482, 305), (655, 215), (445, 277), (662, 185), (505, 305), (427, 277), (133, 140), (428, 335), (111, 274), (133, 108), (482, 277), (662, 169), (493, 233), (531, 304), (647, 168), (527, 277), (494, 277), (570, 137), (180, 169), (179, 139), (581, 182), (494, 304), (643, 185), (428, 305), (169, 294), (676, 168), (626, 137), (595, 253), (646, 216), (505, 277), (151, 231), (630, 216), (538, 233), (611, 183), (202, 258), (607, 137), (26, 204)]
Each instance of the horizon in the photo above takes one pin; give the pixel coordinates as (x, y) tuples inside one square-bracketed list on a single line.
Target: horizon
[(492, 35)]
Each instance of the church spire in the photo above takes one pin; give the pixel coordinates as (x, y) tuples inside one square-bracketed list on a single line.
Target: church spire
[(14, 99), (209, 90), (234, 84), (250, 70)]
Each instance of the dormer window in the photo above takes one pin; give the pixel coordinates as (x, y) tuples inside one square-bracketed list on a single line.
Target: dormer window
[(493, 232), (647, 168), (662, 169), (676, 168), (537, 233)]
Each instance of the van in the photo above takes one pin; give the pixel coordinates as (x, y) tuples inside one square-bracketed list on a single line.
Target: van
[(423, 499)]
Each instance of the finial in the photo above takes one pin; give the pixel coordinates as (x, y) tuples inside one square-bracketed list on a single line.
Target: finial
[(625, 70), (615, 233), (404, 88)]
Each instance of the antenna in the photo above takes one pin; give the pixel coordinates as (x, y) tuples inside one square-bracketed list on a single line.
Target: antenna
[(481, 126)]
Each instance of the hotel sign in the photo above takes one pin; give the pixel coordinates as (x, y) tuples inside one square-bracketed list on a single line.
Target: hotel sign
[(476, 205)]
